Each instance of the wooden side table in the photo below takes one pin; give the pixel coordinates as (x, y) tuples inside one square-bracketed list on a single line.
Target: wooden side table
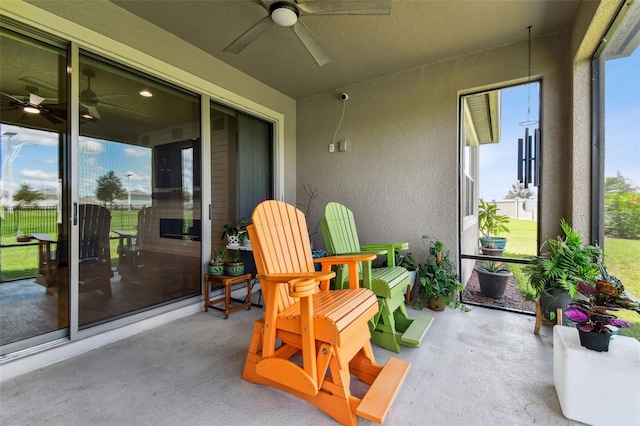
[(540, 318), (227, 281)]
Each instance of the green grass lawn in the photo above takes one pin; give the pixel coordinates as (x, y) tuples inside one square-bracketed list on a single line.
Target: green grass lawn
[(22, 261), (622, 258), (521, 238)]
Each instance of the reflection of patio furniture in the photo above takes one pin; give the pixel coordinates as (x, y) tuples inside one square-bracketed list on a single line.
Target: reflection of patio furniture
[(46, 262), (130, 245), (327, 330), (392, 326), (93, 250), (157, 259)]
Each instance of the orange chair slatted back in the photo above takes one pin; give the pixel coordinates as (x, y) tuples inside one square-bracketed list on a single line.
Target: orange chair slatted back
[(280, 243)]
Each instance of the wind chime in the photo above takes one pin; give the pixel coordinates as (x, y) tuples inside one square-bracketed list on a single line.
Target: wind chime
[(529, 147)]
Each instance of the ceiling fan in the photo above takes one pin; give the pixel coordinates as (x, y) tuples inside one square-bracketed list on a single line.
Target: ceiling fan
[(33, 104), (88, 97), (90, 100), (286, 14)]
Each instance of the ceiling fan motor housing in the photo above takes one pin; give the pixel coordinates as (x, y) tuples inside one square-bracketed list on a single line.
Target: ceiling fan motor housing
[(284, 13)]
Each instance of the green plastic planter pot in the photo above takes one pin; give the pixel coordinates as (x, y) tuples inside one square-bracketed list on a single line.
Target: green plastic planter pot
[(235, 268), (216, 269), (499, 242)]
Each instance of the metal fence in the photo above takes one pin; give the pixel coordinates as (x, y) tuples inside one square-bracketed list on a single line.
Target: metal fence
[(27, 221), (18, 259), (43, 220)]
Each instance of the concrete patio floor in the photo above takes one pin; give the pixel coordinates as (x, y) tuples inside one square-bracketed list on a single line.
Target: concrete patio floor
[(484, 367)]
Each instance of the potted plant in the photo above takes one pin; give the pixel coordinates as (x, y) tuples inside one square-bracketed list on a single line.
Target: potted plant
[(591, 314), (409, 263), (243, 234), (235, 265), (554, 274), (232, 233), (493, 277), (491, 225), (439, 282), (216, 264)]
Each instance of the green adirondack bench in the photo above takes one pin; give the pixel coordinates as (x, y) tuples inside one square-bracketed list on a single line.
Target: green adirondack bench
[(391, 327)]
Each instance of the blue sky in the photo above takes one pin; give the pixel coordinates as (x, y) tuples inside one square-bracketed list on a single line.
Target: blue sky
[(622, 117), (37, 161), (499, 161), (622, 129)]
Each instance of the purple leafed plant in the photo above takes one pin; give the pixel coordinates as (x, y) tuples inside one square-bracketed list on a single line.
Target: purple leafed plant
[(592, 312)]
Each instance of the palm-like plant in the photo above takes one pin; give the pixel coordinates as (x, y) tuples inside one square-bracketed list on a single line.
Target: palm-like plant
[(565, 263)]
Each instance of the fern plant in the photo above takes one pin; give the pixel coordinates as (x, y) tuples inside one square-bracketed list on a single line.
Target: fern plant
[(563, 265)]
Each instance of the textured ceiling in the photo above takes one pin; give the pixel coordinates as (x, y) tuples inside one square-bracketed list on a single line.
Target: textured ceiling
[(361, 47)]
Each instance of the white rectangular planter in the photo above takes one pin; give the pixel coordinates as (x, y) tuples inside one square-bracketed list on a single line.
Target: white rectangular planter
[(597, 388)]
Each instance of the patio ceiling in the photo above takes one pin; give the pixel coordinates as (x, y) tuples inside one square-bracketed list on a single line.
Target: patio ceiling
[(360, 47)]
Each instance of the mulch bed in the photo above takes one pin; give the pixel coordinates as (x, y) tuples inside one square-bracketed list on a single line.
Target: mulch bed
[(512, 300)]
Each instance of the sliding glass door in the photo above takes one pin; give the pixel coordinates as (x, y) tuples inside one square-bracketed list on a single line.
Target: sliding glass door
[(103, 220), (34, 197), (139, 171)]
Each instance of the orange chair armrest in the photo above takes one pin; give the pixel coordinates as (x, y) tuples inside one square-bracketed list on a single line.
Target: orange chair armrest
[(283, 278)]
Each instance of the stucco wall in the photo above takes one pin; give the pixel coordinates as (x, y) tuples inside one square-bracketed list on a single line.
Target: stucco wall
[(399, 174)]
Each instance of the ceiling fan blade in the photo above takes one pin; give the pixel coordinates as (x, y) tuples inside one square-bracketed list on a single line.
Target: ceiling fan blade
[(93, 112), (251, 34), (52, 118), (13, 98), (127, 110), (310, 43), (345, 7)]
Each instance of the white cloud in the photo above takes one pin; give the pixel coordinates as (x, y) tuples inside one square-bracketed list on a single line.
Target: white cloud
[(137, 152), (38, 175), (90, 147)]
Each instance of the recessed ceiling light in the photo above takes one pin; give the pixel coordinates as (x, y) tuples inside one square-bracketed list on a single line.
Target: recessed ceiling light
[(31, 109), (87, 116), (146, 93)]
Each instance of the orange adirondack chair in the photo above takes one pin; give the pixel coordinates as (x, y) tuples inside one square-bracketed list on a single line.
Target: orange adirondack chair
[(327, 328)]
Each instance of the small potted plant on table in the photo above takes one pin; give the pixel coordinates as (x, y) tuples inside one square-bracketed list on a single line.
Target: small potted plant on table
[(233, 235), (591, 313), (243, 234), (491, 225), (216, 264), (235, 265)]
